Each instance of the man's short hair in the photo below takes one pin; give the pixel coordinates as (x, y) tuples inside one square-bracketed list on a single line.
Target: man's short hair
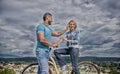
[(46, 15)]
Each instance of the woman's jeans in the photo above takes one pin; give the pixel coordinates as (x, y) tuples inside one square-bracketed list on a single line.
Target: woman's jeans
[(42, 57), (73, 55)]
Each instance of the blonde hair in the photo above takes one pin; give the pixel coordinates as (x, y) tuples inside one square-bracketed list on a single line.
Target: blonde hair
[(73, 22)]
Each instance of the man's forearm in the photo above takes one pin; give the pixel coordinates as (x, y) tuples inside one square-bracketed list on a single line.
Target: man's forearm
[(62, 32), (45, 42)]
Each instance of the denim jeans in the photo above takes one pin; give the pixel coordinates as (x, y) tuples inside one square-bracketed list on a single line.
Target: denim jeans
[(42, 57), (73, 52)]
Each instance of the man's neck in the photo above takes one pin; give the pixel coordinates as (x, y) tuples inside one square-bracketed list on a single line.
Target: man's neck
[(46, 23)]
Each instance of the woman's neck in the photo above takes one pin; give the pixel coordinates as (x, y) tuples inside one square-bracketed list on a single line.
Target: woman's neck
[(72, 30)]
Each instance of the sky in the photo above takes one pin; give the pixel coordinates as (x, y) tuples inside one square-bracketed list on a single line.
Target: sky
[(98, 22)]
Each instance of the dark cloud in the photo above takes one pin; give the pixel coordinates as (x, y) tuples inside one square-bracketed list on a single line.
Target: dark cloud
[(117, 45), (112, 6), (1, 8), (98, 20), (93, 39)]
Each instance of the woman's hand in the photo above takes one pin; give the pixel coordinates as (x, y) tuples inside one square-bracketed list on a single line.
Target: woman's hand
[(70, 41), (65, 38)]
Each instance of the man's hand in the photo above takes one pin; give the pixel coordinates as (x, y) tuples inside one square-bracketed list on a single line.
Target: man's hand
[(55, 45), (56, 34)]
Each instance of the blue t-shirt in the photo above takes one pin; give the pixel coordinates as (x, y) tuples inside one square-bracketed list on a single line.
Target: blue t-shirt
[(47, 31)]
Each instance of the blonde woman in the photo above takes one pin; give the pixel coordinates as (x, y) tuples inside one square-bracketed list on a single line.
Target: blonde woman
[(72, 39)]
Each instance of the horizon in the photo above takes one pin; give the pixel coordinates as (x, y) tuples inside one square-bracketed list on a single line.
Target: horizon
[(85, 58), (16, 56)]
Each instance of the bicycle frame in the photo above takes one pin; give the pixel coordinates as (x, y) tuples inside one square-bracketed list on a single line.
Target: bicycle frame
[(53, 63), (87, 66)]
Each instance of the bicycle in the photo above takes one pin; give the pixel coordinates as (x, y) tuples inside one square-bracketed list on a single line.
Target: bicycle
[(85, 67)]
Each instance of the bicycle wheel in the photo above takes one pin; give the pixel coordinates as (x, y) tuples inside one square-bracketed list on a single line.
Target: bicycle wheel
[(87, 68), (32, 69)]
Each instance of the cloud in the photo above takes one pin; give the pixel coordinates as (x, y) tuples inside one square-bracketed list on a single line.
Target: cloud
[(98, 21), (111, 6)]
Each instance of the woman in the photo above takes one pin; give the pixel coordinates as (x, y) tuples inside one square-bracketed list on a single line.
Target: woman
[(72, 39)]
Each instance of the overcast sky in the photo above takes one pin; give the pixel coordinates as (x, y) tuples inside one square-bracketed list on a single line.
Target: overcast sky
[(98, 21)]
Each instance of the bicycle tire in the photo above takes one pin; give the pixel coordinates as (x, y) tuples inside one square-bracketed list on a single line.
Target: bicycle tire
[(87, 63), (31, 65)]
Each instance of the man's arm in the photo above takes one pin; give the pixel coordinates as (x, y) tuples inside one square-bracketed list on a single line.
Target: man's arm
[(56, 34), (44, 41)]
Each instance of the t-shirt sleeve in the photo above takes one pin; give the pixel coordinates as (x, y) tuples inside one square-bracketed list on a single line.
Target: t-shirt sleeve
[(40, 29)]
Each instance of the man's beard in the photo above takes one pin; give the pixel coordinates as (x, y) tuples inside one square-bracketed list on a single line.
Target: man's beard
[(49, 22)]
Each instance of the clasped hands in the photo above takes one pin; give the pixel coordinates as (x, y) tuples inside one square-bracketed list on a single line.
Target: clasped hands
[(55, 45)]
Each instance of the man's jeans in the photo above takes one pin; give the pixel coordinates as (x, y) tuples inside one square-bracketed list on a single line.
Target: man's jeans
[(73, 55), (43, 58)]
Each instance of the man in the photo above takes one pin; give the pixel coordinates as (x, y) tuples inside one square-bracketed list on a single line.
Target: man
[(44, 33)]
